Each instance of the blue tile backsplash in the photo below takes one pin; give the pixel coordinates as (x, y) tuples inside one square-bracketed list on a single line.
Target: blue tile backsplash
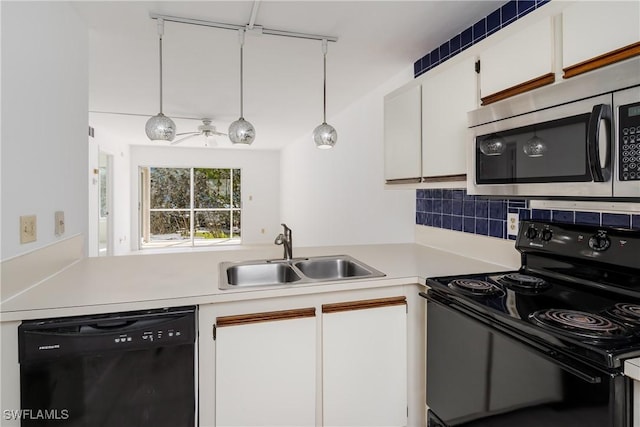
[(457, 210), (486, 26)]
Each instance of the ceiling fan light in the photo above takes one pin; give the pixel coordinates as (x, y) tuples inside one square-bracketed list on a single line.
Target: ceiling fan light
[(160, 128), (325, 136), (242, 132)]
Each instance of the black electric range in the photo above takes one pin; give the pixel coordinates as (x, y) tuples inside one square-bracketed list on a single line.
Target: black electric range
[(574, 303)]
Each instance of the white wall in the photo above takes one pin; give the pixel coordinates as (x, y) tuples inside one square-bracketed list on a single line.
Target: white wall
[(44, 121), (260, 183), (337, 196)]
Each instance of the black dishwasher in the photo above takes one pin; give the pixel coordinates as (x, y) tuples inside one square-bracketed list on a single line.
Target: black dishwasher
[(120, 369)]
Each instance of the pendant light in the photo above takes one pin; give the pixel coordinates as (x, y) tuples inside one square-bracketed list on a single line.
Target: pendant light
[(535, 146), (160, 127), (325, 136), (493, 145), (241, 131)]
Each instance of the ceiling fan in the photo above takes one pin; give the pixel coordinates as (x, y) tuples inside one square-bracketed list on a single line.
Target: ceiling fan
[(206, 129)]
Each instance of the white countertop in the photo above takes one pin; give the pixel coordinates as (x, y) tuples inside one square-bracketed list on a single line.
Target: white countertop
[(105, 284)]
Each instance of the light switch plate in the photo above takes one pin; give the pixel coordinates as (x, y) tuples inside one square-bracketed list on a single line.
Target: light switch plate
[(28, 229), (513, 224), (59, 223)]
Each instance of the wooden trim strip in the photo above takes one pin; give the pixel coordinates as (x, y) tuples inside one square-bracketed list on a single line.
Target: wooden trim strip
[(244, 319), (602, 60), (518, 89), (363, 304), (403, 181), (445, 178)]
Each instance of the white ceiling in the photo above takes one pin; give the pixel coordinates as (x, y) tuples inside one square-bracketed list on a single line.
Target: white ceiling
[(282, 76)]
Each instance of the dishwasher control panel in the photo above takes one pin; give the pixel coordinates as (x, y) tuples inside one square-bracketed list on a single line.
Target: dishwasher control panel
[(82, 335)]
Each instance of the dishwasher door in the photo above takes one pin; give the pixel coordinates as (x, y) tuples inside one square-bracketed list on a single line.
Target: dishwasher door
[(122, 369)]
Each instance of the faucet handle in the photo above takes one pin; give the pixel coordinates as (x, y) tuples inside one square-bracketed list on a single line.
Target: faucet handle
[(279, 239)]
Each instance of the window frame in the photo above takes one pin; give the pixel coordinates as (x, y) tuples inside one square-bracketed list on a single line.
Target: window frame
[(145, 241)]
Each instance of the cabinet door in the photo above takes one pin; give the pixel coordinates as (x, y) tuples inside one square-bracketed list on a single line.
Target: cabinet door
[(365, 364), (524, 57), (447, 96), (402, 134), (266, 369), (591, 29)]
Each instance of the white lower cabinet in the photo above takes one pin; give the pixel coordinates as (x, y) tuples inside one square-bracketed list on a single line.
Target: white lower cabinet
[(315, 360), (364, 363), (265, 369)]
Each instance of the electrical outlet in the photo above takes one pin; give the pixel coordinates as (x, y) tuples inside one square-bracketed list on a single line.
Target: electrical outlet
[(59, 223), (513, 223), (28, 230)]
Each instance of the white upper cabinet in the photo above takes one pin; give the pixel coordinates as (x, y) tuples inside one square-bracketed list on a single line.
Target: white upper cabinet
[(591, 29), (523, 56), (402, 134), (447, 96)]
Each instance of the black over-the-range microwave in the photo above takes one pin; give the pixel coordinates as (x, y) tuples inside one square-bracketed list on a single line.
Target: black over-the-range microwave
[(577, 139)]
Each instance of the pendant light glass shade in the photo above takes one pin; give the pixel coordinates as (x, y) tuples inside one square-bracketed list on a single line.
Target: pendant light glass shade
[(493, 145), (535, 147), (325, 135), (160, 127), (241, 131)]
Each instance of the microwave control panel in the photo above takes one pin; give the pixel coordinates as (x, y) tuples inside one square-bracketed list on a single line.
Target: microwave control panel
[(629, 142)]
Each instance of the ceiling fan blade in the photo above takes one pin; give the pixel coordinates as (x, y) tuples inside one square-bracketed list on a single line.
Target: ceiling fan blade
[(219, 133), (177, 141), (187, 133)]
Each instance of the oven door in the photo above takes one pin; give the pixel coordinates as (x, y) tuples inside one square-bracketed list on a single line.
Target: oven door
[(559, 151), (478, 376)]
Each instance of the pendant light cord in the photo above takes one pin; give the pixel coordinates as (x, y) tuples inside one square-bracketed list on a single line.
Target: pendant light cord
[(160, 33), (241, 36), (324, 80)]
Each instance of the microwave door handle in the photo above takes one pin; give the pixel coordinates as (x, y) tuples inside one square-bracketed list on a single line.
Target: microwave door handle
[(600, 115)]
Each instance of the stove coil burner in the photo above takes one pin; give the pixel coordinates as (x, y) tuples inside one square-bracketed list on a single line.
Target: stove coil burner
[(475, 287), (525, 281), (580, 324), (626, 312)]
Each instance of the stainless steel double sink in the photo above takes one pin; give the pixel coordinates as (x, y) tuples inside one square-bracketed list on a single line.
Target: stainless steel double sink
[(295, 271)]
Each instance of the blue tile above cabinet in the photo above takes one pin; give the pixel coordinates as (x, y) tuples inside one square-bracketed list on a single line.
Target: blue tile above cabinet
[(456, 210), (483, 28)]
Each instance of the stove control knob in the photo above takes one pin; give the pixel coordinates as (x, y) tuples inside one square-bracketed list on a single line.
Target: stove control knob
[(547, 235), (599, 242), (531, 233)]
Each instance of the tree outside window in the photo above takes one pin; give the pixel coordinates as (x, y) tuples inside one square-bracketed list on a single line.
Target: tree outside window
[(190, 207)]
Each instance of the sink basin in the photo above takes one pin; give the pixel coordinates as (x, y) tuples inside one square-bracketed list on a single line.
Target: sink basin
[(296, 271), (332, 268), (260, 274)]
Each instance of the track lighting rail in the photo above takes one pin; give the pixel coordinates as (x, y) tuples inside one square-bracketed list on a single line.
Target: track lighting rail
[(235, 27)]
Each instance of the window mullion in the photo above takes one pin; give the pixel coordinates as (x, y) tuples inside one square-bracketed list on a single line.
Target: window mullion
[(192, 207)]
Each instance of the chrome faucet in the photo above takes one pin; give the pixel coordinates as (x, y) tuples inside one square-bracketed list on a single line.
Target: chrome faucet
[(285, 239)]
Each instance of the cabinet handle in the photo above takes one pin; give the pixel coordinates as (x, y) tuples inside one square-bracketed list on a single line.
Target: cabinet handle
[(363, 304), (608, 58), (270, 316), (518, 89)]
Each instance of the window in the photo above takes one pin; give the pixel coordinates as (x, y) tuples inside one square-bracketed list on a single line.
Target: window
[(189, 207)]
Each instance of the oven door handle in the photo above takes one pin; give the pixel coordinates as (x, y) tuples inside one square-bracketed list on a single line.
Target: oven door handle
[(600, 172), (558, 359)]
